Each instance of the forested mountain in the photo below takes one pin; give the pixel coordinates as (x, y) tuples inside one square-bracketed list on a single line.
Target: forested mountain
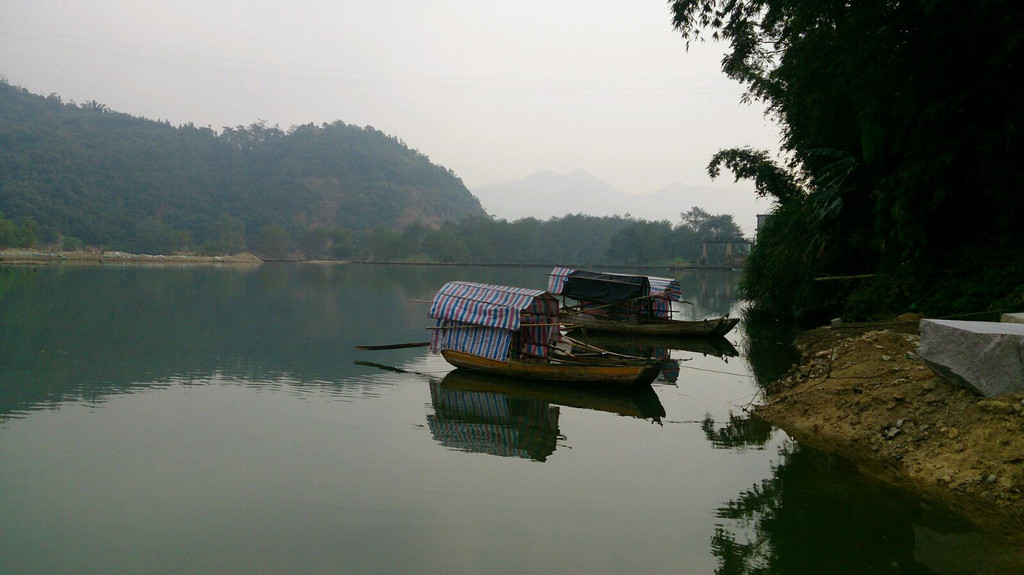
[(84, 174)]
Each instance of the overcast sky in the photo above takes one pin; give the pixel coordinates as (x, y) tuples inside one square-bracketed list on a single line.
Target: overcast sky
[(494, 91)]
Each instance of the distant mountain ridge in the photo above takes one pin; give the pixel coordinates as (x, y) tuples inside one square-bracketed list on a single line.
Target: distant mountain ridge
[(546, 194)]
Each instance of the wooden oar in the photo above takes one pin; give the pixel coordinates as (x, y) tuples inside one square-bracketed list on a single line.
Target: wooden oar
[(392, 368), (381, 366), (395, 345)]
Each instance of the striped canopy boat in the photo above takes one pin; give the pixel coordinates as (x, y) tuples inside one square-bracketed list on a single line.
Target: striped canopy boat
[(483, 320), (622, 303), (517, 332), (628, 294)]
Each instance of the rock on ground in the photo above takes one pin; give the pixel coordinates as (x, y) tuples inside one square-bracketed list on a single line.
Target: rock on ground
[(984, 356)]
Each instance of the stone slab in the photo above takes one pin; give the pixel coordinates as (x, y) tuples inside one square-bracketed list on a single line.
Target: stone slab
[(985, 357), (1012, 317)]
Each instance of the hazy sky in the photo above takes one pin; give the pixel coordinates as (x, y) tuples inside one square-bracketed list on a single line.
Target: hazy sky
[(494, 91)]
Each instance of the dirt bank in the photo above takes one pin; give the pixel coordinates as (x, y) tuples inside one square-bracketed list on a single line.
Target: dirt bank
[(862, 392)]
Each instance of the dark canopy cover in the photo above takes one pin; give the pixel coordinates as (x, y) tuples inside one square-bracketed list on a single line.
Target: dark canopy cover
[(604, 287)]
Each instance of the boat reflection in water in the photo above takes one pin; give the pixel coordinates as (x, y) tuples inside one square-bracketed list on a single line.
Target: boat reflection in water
[(660, 348), (510, 417)]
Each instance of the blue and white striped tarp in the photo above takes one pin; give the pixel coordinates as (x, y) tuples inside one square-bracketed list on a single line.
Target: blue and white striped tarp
[(556, 279), (490, 305), (668, 286), (481, 319), (487, 342)]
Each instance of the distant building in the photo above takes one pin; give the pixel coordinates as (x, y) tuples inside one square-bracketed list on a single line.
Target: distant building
[(761, 219), (724, 253)]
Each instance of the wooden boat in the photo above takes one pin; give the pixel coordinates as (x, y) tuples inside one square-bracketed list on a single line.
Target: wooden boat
[(715, 327), (517, 332), (655, 346), (628, 304), (602, 371)]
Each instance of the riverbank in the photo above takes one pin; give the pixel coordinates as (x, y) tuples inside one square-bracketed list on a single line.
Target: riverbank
[(862, 392), (35, 257)]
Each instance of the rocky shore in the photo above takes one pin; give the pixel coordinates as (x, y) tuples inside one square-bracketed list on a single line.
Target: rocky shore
[(862, 392)]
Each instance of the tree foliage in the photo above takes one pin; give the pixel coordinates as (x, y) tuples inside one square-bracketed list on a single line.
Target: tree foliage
[(120, 182), (902, 125), (16, 236)]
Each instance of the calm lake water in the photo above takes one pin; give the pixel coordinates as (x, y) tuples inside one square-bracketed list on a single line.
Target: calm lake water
[(215, 420)]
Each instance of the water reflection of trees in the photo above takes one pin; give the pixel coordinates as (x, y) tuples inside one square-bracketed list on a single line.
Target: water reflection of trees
[(769, 348), (816, 514), (710, 293), (741, 431)]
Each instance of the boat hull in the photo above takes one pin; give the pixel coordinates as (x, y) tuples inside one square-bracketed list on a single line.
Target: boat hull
[(668, 327), (607, 373)]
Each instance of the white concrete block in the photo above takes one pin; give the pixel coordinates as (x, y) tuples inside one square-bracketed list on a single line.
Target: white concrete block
[(986, 357)]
